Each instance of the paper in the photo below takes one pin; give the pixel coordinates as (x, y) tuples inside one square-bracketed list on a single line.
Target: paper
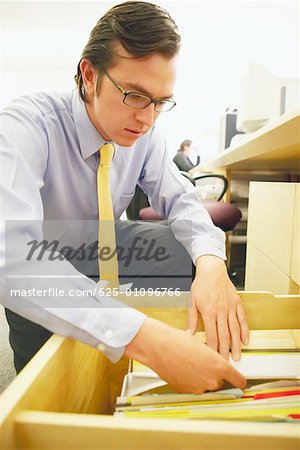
[(259, 366), (276, 401), (254, 366), (276, 405)]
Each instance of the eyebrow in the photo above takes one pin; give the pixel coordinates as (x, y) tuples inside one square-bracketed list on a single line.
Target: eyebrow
[(139, 88)]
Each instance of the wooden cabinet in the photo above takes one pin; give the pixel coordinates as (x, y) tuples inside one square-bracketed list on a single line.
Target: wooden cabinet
[(273, 238), (64, 397), (295, 269), (273, 149)]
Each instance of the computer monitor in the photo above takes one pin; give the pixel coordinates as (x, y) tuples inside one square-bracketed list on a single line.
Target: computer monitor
[(264, 96)]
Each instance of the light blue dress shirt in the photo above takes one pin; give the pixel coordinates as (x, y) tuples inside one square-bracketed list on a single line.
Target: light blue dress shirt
[(50, 155)]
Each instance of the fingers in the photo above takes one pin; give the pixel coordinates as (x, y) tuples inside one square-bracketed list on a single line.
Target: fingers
[(231, 331), (224, 321), (226, 330), (193, 318), (223, 335), (235, 334), (244, 330), (215, 384), (211, 332), (239, 331)]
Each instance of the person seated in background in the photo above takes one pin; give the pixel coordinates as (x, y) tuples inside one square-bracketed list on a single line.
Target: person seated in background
[(186, 157)]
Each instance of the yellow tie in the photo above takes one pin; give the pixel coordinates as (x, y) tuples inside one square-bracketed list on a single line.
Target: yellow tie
[(108, 264)]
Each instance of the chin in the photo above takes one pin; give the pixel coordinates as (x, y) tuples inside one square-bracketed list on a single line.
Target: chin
[(125, 141)]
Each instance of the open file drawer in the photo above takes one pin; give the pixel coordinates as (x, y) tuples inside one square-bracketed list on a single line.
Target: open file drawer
[(65, 396)]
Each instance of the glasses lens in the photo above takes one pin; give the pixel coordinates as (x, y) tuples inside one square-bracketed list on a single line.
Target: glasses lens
[(164, 105), (137, 100)]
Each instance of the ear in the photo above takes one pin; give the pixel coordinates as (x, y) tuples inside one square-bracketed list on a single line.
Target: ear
[(89, 77)]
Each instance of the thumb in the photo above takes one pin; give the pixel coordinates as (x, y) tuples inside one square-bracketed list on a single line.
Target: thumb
[(234, 377), (192, 317)]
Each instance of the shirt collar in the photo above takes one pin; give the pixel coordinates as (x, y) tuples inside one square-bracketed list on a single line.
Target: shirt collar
[(90, 140)]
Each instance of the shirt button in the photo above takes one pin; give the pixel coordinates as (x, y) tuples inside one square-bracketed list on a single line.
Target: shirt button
[(109, 334), (101, 347)]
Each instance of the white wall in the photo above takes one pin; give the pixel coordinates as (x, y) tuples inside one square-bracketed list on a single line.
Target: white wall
[(42, 42)]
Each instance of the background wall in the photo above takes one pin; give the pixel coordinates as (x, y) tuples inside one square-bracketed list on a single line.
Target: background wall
[(42, 42)]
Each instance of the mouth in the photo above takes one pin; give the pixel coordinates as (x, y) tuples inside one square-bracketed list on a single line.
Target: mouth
[(135, 132)]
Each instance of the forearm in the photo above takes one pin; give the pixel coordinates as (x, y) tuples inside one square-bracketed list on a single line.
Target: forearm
[(55, 295)]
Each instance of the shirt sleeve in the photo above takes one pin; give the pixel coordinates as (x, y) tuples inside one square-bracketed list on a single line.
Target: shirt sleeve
[(53, 292), (176, 199)]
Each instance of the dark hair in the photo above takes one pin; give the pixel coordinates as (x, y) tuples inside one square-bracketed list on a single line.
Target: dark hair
[(186, 142), (142, 29)]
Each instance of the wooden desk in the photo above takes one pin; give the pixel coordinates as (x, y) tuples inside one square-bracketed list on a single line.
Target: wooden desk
[(275, 146)]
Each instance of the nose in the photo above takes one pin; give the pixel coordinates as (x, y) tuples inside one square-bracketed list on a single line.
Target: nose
[(147, 115)]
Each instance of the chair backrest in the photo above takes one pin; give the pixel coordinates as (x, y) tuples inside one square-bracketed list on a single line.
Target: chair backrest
[(188, 176), (211, 186)]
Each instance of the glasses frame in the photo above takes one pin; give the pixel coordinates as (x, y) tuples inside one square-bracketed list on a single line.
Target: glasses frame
[(150, 100)]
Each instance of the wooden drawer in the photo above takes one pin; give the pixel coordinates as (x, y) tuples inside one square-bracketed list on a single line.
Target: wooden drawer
[(262, 274), (65, 396), (271, 221), (295, 270)]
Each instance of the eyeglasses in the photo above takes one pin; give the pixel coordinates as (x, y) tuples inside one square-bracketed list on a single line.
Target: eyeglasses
[(141, 101)]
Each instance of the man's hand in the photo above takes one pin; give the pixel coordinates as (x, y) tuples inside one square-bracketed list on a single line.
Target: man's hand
[(221, 308), (180, 359)]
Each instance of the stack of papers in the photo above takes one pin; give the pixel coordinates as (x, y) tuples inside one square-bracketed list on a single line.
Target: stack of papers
[(276, 401), (281, 404), (254, 366)]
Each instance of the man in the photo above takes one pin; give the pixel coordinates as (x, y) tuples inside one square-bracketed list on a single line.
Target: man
[(51, 148)]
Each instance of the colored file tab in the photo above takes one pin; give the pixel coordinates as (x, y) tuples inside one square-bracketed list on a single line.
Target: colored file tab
[(154, 399), (286, 393), (229, 413)]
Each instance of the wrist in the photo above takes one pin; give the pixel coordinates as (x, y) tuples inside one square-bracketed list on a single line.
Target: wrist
[(151, 345), (146, 346), (209, 261)]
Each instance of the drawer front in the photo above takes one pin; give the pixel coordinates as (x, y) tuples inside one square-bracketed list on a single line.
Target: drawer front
[(271, 220), (263, 275), (36, 430), (295, 271)]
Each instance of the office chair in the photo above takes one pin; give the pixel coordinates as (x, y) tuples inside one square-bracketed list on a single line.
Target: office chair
[(211, 188)]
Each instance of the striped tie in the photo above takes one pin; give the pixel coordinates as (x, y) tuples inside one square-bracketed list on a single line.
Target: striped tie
[(108, 264)]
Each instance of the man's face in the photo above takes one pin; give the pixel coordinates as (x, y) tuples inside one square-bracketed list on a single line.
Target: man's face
[(152, 75)]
